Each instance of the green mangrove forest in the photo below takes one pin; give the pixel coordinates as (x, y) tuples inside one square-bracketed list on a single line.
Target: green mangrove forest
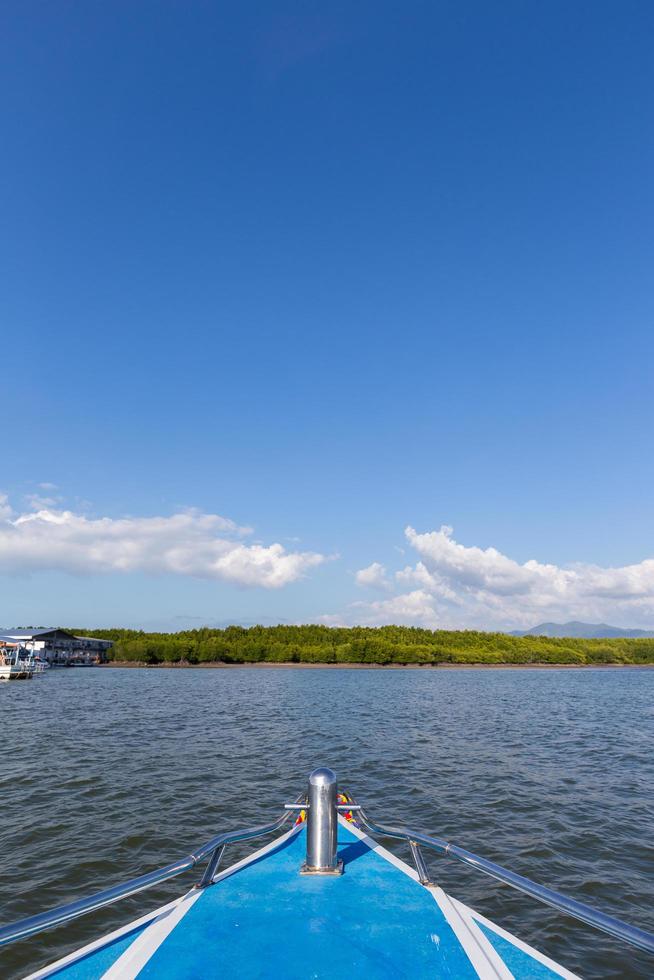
[(315, 644)]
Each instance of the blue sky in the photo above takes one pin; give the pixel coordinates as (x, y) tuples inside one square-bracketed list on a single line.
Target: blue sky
[(329, 272)]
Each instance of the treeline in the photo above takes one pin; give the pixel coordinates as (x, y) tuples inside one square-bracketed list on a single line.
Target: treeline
[(367, 645)]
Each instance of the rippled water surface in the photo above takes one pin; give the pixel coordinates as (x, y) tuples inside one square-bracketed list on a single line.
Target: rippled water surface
[(110, 772)]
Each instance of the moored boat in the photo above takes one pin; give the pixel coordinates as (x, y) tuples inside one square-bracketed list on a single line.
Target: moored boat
[(13, 666), (323, 900)]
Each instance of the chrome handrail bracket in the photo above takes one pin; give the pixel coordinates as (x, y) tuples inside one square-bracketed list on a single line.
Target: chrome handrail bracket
[(419, 861), (211, 868)]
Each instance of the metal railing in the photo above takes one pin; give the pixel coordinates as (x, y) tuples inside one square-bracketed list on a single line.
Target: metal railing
[(212, 849), (321, 857), (569, 906)]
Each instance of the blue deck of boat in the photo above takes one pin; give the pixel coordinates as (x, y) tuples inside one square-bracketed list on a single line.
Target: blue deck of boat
[(270, 921), (267, 920)]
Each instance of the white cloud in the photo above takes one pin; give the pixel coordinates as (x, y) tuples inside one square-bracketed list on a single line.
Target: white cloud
[(454, 585), (415, 608), (6, 510), (186, 543), (38, 501), (432, 582), (373, 577)]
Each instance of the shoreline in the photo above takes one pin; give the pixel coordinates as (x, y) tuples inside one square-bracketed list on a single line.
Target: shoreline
[(288, 665)]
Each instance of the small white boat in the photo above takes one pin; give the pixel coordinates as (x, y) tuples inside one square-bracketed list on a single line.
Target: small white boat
[(324, 900), (13, 667)]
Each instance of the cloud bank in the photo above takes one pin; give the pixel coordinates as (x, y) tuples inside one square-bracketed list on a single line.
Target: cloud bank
[(447, 585), (373, 577), (452, 585), (189, 543)]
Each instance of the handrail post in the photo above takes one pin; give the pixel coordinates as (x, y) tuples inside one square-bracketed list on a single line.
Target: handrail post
[(419, 861), (322, 825), (211, 868)]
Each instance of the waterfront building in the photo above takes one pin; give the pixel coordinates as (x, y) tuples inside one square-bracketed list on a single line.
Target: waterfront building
[(59, 647)]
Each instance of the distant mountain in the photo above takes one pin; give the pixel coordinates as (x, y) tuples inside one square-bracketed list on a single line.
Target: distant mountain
[(590, 631)]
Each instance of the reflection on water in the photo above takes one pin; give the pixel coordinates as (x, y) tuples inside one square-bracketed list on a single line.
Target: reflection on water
[(107, 773)]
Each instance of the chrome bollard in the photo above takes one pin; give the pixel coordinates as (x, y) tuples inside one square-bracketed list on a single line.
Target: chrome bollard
[(322, 824)]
